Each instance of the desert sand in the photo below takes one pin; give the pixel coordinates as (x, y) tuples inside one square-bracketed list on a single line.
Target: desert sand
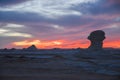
[(46, 69)]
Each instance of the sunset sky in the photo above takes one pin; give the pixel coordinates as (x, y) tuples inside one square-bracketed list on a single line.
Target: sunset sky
[(58, 23)]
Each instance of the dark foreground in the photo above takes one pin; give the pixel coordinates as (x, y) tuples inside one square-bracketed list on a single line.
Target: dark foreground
[(46, 69), (60, 65)]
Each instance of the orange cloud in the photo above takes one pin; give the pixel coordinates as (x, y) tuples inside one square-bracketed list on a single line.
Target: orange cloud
[(39, 44), (27, 43)]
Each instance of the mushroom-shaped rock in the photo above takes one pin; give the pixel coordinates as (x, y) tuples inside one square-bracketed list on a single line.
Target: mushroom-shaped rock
[(96, 38)]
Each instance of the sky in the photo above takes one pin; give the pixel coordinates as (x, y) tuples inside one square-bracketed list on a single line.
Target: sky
[(58, 23)]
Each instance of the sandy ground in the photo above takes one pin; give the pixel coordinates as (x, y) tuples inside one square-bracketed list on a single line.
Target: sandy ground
[(22, 69)]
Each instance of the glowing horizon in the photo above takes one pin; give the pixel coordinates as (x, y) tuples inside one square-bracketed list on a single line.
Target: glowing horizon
[(60, 44)]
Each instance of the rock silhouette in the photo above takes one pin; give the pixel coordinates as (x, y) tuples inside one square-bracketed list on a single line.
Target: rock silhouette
[(33, 47), (96, 38)]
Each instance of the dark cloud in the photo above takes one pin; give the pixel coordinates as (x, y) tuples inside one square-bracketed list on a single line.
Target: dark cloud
[(113, 2), (12, 16), (100, 7), (10, 2), (111, 6)]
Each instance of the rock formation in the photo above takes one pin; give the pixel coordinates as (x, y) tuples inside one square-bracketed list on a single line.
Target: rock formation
[(96, 38), (33, 47)]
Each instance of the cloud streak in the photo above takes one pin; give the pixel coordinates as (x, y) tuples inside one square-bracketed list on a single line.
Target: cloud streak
[(13, 30)]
